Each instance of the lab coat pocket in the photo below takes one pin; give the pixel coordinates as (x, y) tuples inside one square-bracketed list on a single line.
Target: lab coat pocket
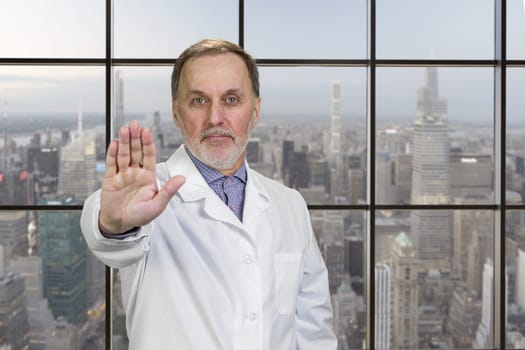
[(288, 267)]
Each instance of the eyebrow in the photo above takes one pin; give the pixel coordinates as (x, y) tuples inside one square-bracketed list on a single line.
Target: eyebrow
[(229, 91)]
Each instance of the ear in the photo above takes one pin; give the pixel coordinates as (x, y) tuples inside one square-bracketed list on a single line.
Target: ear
[(175, 114), (256, 112)]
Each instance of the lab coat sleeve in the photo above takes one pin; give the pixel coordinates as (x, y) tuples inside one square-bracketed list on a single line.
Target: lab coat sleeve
[(314, 309), (116, 253)]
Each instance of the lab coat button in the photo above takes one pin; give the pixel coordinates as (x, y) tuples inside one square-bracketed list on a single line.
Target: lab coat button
[(252, 317), (248, 259)]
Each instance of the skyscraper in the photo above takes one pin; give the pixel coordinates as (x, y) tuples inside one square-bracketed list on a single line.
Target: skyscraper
[(63, 252), (344, 305), (16, 183), (77, 173), (335, 131), (472, 242), (13, 233), (464, 315), (40, 318), (430, 175), (520, 279), (383, 304), (404, 271), (14, 327), (483, 338), (118, 117)]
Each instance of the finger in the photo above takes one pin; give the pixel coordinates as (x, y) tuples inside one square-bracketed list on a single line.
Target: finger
[(148, 149), (123, 149), (167, 191), (135, 144), (111, 158)]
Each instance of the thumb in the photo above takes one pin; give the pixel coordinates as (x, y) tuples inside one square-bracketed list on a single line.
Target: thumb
[(168, 190)]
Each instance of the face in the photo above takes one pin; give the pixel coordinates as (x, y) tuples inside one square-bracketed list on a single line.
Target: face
[(215, 109)]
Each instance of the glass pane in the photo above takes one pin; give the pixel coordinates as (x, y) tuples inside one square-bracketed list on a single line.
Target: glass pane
[(300, 112), (58, 28), (313, 131), (429, 29), (304, 29), (515, 279), (144, 94), (434, 278), (515, 29), (163, 29), (52, 288), (515, 166), (434, 136), (340, 236), (53, 133)]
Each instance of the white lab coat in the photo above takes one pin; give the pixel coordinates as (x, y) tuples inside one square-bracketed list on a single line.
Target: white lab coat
[(198, 278)]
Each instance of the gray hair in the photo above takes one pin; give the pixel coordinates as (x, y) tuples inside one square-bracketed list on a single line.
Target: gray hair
[(213, 47)]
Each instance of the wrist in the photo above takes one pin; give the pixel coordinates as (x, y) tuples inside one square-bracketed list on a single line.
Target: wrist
[(107, 230)]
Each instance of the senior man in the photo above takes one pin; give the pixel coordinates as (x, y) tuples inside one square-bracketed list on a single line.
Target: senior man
[(211, 254)]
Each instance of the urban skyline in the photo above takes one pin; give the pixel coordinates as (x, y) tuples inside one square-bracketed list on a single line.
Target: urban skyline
[(326, 162)]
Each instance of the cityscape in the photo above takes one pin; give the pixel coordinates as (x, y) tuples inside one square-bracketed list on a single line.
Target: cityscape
[(434, 269)]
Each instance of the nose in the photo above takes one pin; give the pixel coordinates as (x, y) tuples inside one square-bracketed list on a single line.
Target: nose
[(216, 114)]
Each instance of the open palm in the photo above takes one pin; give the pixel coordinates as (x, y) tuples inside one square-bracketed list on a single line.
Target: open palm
[(130, 196)]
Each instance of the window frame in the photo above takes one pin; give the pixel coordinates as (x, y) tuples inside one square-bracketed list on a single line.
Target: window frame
[(499, 205)]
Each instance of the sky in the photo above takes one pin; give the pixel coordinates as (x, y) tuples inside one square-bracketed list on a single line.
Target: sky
[(443, 29)]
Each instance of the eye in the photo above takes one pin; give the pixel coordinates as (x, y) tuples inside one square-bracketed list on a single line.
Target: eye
[(198, 101), (232, 99)]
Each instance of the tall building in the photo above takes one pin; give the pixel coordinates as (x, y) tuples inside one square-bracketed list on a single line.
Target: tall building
[(355, 176), (405, 290), (472, 242), (13, 233), (464, 315), (384, 181), (64, 336), (288, 149), (40, 317), (402, 177), (16, 186), (520, 279), (298, 170), (430, 326), (14, 327), (344, 305), (254, 152), (483, 338), (471, 175), (118, 117), (333, 248), (335, 127), (430, 175), (44, 164), (383, 305), (63, 252), (77, 173)]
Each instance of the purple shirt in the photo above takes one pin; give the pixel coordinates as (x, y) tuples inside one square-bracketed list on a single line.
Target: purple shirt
[(230, 189)]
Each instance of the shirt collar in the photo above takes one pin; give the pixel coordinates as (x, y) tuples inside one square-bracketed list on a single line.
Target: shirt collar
[(211, 175)]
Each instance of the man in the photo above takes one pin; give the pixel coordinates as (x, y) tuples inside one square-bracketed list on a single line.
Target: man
[(211, 254)]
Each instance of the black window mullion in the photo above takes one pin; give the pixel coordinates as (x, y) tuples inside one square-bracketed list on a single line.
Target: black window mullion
[(108, 97), (500, 48), (241, 23), (371, 122)]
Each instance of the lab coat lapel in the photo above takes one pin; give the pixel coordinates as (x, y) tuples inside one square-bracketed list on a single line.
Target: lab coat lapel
[(195, 188), (255, 200)]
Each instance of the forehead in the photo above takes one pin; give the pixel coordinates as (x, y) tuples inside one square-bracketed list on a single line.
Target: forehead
[(225, 70)]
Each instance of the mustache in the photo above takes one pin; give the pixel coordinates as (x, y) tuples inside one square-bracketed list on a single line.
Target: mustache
[(216, 131)]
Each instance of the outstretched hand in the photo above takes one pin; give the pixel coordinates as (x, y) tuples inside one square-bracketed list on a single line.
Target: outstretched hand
[(130, 196)]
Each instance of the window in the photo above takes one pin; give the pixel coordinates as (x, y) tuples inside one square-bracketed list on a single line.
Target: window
[(400, 122)]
